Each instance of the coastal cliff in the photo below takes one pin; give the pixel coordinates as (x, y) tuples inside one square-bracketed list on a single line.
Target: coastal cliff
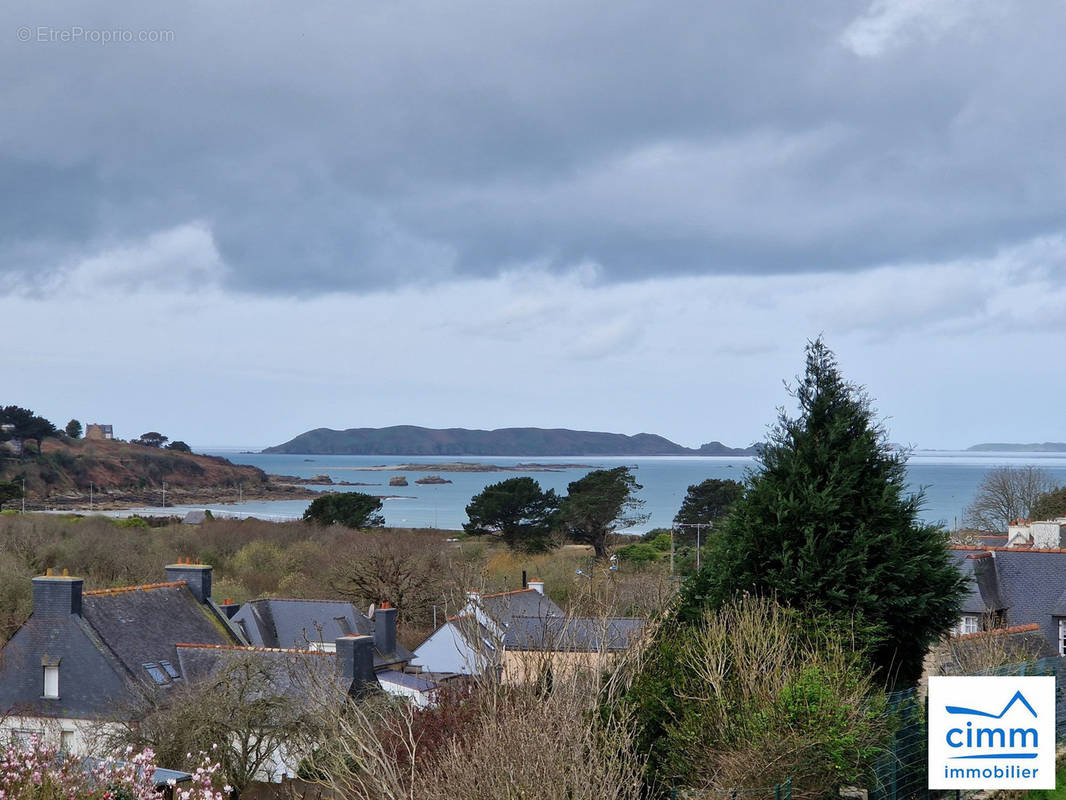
[(121, 474)]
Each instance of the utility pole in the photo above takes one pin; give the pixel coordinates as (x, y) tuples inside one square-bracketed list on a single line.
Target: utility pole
[(672, 552), (698, 526)]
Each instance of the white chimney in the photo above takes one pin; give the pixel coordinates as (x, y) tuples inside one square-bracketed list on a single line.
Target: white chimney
[(537, 585)]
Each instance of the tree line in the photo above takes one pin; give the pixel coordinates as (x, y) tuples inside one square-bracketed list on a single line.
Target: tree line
[(25, 424)]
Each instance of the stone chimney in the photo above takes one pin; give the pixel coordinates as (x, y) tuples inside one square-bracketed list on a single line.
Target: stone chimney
[(196, 576), (355, 664), (385, 629), (537, 585), (56, 595)]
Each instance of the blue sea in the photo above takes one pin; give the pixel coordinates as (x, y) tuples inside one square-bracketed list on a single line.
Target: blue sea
[(949, 479)]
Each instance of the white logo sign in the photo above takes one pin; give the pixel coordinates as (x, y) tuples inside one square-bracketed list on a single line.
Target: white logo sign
[(992, 733)]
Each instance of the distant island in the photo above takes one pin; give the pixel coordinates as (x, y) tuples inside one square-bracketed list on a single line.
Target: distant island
[(411, 440), (1009, 447)]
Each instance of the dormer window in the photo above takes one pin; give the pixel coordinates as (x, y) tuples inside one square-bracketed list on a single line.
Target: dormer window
[(51, 681)]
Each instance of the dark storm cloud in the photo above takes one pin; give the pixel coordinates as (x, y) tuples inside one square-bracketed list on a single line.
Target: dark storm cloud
[(339, 145)]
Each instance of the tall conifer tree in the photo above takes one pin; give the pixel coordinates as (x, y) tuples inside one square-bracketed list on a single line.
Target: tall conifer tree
[(828, 525)]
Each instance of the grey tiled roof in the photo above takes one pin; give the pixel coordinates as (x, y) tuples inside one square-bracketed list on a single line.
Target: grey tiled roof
[(273, 622), (297, 674), (144, 625), (577, 634), (504, 606), (101, 652), (285, 623), (1030, 585)]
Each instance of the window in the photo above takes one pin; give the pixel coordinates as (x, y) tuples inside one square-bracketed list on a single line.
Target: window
[(51, 682), (66, 741), (168, 668), (1062, 637), (968, 623), (22, 738), (157, 673)]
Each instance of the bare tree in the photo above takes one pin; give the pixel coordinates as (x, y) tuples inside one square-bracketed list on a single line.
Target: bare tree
[(401, 570), (249, 713), (1005, 494)]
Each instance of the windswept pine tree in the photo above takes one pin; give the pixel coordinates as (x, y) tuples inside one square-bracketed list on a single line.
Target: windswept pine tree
[(829, 526)]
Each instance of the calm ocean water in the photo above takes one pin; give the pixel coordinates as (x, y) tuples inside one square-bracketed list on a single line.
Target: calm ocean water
[(949, 479)]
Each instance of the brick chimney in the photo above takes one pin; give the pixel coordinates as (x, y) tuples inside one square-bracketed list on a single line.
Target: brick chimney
[(385, 629), (537, 585), (355, 664), (56, 595), (196, 576)]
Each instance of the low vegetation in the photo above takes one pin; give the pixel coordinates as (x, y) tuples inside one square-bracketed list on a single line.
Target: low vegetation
[(415, 570), (752, 695)]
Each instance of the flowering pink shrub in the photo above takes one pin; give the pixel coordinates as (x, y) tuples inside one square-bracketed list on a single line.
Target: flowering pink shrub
[(39, 772)]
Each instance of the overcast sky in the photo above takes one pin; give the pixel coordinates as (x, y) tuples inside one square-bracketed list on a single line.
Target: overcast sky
[(599, 214)]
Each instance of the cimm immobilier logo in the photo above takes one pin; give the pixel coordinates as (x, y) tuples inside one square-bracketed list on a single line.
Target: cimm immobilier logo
[(992, 733)]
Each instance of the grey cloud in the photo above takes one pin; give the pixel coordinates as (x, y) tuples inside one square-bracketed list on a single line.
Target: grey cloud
[(335, 146)]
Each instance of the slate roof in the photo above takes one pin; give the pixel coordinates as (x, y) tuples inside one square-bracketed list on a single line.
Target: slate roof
[(1028, 585), (300, 674), (296, 623), (101, 651), (143, 625), (503, 606), (576, 634)]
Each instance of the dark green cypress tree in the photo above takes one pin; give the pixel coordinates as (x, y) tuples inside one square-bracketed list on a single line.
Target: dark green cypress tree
[(828, 525)]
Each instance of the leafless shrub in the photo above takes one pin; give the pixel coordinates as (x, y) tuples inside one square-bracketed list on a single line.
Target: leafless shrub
[(539, 738), (975, 653)]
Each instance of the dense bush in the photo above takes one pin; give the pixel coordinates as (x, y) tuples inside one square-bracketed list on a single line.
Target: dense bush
[(753, 695), (638, 553)]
